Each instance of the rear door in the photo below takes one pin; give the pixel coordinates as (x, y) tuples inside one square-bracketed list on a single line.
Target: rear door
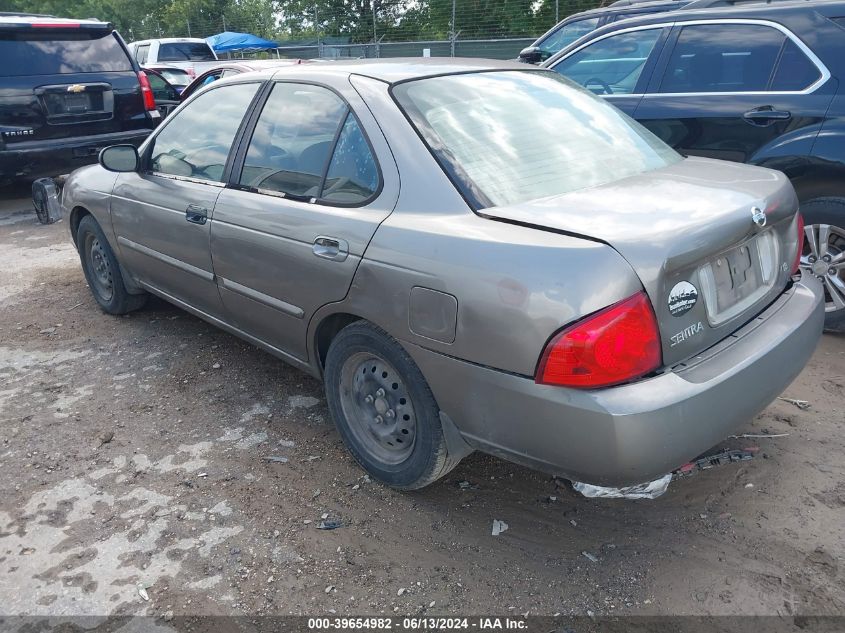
[(162, 215), (66, 82), (728, 88), (289, 231), (618, 65)]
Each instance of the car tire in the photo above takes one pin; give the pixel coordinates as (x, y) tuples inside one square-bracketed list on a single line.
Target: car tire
[(384, 410), (102, 270), (819, 213)]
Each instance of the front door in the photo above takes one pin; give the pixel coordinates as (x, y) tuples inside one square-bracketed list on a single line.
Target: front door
[(728, 89), (162, 215), (291, 228)]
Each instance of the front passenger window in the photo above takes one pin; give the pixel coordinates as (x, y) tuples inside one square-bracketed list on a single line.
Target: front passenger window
[(195, 142), (612, 65)]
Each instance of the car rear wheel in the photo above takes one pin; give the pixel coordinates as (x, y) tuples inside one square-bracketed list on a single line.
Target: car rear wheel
[(824, 254), (102, 271), (384, 410)]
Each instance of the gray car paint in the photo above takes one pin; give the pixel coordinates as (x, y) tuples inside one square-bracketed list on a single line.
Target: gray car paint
[(516, 279)]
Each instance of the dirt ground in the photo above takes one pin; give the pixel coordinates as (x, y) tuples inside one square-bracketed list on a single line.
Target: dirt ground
[(134, 460)]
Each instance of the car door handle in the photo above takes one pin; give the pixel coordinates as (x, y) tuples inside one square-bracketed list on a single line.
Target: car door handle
[(766, 115), (196, 214), (331, 248)]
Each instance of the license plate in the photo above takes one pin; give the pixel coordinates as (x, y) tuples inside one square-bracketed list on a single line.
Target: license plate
[(76, 104), (737, 278), (737, 274)]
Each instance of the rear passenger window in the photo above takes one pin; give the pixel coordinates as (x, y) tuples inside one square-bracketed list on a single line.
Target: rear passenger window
[(352, 176), (141, 53), (307, 144), (737, 58), (723, 58), (795, 71)]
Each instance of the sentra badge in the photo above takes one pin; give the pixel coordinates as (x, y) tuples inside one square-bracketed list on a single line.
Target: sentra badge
[(682, 298), (686, 333)]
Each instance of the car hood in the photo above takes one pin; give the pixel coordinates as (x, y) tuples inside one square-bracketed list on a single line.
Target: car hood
[(670, 222)]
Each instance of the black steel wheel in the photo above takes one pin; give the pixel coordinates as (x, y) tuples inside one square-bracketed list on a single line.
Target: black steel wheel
[(102, 270), (384, 410)]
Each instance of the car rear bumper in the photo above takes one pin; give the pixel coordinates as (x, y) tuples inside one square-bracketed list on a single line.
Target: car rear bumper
[(637, 432), (36, 159)]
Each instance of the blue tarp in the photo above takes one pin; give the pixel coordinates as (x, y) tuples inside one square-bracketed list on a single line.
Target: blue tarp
[(229, 41)]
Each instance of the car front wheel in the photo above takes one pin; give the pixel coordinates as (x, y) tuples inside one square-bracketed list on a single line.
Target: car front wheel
[(384, 410), (102, 270)]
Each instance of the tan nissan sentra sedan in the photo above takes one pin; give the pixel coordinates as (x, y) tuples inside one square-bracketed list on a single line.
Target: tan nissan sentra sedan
[(471, 255)]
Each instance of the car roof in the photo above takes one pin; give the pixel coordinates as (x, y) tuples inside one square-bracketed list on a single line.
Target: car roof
[(25, 19), (170, 40), (165, 67), (739, 9), (393, 70), (645, 6)]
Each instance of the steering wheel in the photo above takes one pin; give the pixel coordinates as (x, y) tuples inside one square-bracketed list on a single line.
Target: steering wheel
[(602, 84)]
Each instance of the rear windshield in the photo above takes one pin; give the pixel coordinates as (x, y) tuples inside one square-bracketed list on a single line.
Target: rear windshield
[(511, 136), (51, 53), (176, 77), (184, 52)]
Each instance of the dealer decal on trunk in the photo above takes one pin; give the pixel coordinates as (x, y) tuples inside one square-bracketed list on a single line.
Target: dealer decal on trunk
[(686, 333), (682, 298)]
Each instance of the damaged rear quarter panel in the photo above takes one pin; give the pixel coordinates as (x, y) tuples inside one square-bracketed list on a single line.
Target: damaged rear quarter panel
[(515, 286)]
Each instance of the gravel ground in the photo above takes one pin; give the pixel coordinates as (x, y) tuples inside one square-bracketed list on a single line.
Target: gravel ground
[(134, 461)]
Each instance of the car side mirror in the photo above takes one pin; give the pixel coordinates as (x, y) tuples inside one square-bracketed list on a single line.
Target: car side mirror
[(531, 55), (119, 158)]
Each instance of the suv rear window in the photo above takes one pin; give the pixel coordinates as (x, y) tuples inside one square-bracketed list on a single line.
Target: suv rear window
[(53, 53), (184, 52)]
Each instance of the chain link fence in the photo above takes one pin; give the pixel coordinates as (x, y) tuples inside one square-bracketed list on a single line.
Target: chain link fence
[(496, 29)]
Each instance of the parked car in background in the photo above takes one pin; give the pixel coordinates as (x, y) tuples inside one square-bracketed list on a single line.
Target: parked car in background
[(760, 84), (179, 78), (167, 97), (575, 26), (191, 54), (236, 67), (68, 88), (563, 290)]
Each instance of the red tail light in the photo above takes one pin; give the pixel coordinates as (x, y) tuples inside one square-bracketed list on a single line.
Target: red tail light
[(612, 346), (146, 92), (797, 262)]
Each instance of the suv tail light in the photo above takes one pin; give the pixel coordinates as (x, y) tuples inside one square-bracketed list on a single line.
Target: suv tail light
[(800, 224), (146, 92), (612, 346)]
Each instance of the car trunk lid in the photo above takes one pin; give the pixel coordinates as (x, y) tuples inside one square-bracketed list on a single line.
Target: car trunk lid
[(688, 230)]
